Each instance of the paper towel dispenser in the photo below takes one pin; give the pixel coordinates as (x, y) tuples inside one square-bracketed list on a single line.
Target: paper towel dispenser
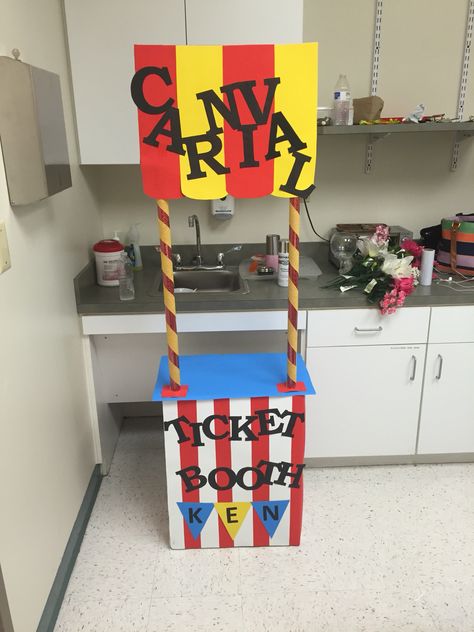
[(32, 132)]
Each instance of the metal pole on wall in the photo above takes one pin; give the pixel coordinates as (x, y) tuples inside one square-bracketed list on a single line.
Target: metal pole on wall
[(168, 293), (293, 277)]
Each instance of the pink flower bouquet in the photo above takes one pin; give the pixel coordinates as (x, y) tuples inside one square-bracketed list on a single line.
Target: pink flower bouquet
[(386, 274)]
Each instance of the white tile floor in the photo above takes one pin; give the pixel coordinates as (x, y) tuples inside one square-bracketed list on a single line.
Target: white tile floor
[(384, 549)]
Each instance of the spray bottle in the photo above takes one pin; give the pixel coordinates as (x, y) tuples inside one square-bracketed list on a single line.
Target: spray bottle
[(133, 247)]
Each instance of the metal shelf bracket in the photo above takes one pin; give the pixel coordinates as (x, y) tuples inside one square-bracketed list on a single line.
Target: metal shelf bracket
[(369, 150), (460, 136)]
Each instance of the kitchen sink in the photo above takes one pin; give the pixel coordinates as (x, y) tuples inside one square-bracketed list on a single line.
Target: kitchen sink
[(226, 280)]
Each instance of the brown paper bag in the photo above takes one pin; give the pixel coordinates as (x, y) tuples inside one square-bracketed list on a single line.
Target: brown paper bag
[(367, 109)]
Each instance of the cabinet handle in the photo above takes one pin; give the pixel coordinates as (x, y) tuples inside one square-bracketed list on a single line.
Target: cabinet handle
[(413, 373), (373, 330), (440, 366)]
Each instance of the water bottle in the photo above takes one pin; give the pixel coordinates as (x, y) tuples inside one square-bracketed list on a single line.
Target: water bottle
[(126, 286), (342, 102)]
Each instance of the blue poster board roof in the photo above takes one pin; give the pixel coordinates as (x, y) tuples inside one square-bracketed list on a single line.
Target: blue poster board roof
[(232, 376)]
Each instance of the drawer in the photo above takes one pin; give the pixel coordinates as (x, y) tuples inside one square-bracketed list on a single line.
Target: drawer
[(341, 327), (452, 324)]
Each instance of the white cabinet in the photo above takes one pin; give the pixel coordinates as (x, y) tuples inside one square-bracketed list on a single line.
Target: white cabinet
[(447, 413), (244, 22), (367, 400), (368, 373), (382, 381), (101, 36), (336, 327)]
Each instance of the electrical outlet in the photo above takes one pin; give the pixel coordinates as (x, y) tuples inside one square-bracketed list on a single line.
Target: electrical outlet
[(4, 251)]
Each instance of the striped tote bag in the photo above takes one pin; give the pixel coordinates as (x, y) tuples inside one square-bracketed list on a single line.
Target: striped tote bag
[(456, 248)]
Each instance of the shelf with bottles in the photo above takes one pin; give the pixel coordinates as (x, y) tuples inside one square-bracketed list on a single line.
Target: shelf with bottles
[(460, 130), (464, 128)]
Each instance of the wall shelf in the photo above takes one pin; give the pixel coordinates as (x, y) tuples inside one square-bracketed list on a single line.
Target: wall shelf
[(466, 128), (460, 131)]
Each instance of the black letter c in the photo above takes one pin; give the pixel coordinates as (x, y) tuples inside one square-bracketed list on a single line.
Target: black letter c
[(136, 89)]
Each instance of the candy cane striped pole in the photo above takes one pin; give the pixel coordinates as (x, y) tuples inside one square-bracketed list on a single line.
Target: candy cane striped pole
[(293, 275), (168, 293)]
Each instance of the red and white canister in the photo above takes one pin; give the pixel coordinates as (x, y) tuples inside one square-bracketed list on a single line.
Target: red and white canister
[(108, 253)]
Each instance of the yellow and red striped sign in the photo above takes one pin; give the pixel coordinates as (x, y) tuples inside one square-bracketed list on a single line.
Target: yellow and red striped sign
[(218, 120)]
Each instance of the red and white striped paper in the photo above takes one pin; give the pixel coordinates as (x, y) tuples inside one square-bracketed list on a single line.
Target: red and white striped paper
[(235, 455)]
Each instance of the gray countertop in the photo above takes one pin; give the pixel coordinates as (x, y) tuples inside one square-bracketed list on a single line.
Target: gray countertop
[(92, 299)]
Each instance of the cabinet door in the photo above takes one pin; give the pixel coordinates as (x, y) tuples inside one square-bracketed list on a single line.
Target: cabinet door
[(244, 22), (367, 400), (447, 411), (101, 36)]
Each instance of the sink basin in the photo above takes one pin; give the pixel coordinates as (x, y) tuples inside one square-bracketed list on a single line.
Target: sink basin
[(227, 280), (208, 280)]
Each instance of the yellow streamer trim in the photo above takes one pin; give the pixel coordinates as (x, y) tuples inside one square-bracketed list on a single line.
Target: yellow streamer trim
[(297, 99), (199, 68)]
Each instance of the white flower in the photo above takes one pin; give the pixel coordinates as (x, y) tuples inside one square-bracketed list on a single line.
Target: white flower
[(369, 248), (397, 268)]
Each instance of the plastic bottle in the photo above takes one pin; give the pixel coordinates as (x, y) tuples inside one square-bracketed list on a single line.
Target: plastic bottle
[(342, 102), (283, 263), (125, 280), (133, 247)]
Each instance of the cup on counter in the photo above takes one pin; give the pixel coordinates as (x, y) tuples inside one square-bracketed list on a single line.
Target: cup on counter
[(426, 270), (271, 257)]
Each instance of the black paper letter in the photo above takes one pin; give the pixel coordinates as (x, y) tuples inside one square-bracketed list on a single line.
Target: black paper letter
[(174, 132), (195, 157), (136, 89), (290, 185), (279, 121)]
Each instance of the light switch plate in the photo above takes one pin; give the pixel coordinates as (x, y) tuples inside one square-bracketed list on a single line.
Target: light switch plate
[(4, 251)]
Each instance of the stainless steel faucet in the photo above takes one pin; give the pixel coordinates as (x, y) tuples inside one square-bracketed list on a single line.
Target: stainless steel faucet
[(220, 255), (193, 222)]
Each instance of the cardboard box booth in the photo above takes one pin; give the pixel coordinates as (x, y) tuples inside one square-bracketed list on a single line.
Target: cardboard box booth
[(234, 452), (239, 120)]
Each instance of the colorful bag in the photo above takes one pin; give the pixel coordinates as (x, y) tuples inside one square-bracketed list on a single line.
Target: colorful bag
[(456, 247)]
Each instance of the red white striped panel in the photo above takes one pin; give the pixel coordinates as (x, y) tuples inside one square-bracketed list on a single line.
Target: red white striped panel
[(234, 455)]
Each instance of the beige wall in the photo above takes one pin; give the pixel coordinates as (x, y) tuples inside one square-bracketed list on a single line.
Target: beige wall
[(46, 453), (411, 184)]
